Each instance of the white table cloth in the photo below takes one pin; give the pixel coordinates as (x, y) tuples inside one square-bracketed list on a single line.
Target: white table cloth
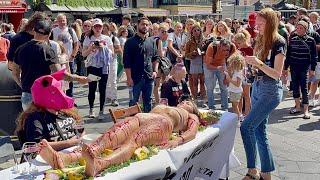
[(208, 156)]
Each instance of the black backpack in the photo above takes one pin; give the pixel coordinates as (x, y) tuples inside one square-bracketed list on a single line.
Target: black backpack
[(165, 64)]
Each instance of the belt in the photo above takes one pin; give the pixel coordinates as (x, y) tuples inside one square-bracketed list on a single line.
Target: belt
[(264, 78)]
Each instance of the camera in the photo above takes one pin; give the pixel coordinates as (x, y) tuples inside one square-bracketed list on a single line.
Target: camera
[(96, 43)]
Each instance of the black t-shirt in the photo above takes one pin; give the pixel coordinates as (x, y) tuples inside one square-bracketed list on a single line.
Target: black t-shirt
[(173, 91), (279, 47), (34, 59), (16, 41), (43, 125)]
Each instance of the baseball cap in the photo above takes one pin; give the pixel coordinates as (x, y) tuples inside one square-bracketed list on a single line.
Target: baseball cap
[(43, 27), (97, 21), (127, 16)]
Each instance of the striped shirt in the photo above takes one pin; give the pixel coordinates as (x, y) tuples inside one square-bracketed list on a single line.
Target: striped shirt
[(302, 52)]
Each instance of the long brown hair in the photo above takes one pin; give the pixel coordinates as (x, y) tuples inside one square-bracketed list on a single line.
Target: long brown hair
[(193, 38), (264, 42), (21, 120)]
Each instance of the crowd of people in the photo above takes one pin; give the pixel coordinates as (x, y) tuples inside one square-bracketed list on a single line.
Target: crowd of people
[(254, 61)]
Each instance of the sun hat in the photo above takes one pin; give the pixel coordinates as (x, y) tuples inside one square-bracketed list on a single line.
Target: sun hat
[(47, 92)]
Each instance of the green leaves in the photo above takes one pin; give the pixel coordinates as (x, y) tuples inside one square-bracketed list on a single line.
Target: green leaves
[(77, 3)]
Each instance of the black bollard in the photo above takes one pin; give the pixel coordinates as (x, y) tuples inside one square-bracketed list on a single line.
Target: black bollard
[(10, 103)]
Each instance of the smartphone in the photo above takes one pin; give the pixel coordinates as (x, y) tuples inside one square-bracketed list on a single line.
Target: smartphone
[(96, 43)]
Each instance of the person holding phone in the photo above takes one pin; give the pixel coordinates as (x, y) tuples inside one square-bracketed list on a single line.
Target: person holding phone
[(270, 50), (98, 50)]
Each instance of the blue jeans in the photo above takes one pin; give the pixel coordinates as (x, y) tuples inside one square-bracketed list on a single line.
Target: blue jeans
[(26, 100), (211, 77), (266, 96), (146, 87)]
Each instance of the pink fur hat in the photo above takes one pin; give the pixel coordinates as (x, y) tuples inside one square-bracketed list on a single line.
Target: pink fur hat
[(47, 93)]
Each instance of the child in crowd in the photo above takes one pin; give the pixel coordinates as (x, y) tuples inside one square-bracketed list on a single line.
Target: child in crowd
[(234, 77)]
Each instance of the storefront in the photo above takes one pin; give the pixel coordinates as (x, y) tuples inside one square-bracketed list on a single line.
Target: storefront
[(12, 11)]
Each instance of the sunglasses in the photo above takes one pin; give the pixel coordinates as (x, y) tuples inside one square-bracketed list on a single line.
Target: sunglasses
[(235, 22), (164, 32), (197, 30)]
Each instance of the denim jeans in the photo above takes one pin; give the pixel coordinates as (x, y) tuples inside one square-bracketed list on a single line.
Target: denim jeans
[(146, 87), (26, 100), (211, 77), (266, 96), (299, 83)]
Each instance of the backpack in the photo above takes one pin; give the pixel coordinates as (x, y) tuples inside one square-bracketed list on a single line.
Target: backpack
[(165, 64)]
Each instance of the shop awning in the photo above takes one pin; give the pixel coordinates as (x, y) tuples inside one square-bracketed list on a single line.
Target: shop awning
[(96, 9), (56, 8), (8, 6), (78, 9), (193, 10), (153, 12), (119, 11), (12, 10)]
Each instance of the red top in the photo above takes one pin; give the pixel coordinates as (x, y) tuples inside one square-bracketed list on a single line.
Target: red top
[(4, 47), (246, 51)]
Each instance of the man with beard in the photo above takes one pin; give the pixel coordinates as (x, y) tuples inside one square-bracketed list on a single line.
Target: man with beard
[(139, 68)]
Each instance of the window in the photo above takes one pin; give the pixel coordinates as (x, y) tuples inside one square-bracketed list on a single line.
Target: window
[(168, 2)]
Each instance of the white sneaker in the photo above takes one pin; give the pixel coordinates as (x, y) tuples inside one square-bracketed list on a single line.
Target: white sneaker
[(312, 102), (100, 116), (91, 113)]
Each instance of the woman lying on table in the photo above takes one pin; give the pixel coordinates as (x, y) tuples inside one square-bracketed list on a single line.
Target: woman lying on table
[(175, 86), (51, 115), (124, 137)]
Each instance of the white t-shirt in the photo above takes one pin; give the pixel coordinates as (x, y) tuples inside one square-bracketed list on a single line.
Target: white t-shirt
[(122, 40), (102, 38), (232, 87), (64, 36)]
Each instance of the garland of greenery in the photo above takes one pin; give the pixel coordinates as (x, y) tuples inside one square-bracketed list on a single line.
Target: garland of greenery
[(77, 3)]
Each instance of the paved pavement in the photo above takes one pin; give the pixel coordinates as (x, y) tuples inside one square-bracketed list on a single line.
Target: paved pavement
[(295, 142)]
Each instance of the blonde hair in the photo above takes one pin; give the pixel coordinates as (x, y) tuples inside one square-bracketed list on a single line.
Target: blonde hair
[(242, 36), (163, 26), (226, 28), (205, 25), (270, 35), (77, 29), (121, 30), (236, 62)]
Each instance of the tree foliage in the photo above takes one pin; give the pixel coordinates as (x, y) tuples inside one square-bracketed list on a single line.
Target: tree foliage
[(77, 3)]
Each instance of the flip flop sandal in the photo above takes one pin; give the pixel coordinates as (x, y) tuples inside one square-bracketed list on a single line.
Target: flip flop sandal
[(294, 111), (306, 116), (254, 177)]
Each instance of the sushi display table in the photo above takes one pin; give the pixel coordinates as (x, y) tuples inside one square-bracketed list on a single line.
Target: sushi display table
[(208, 156)]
